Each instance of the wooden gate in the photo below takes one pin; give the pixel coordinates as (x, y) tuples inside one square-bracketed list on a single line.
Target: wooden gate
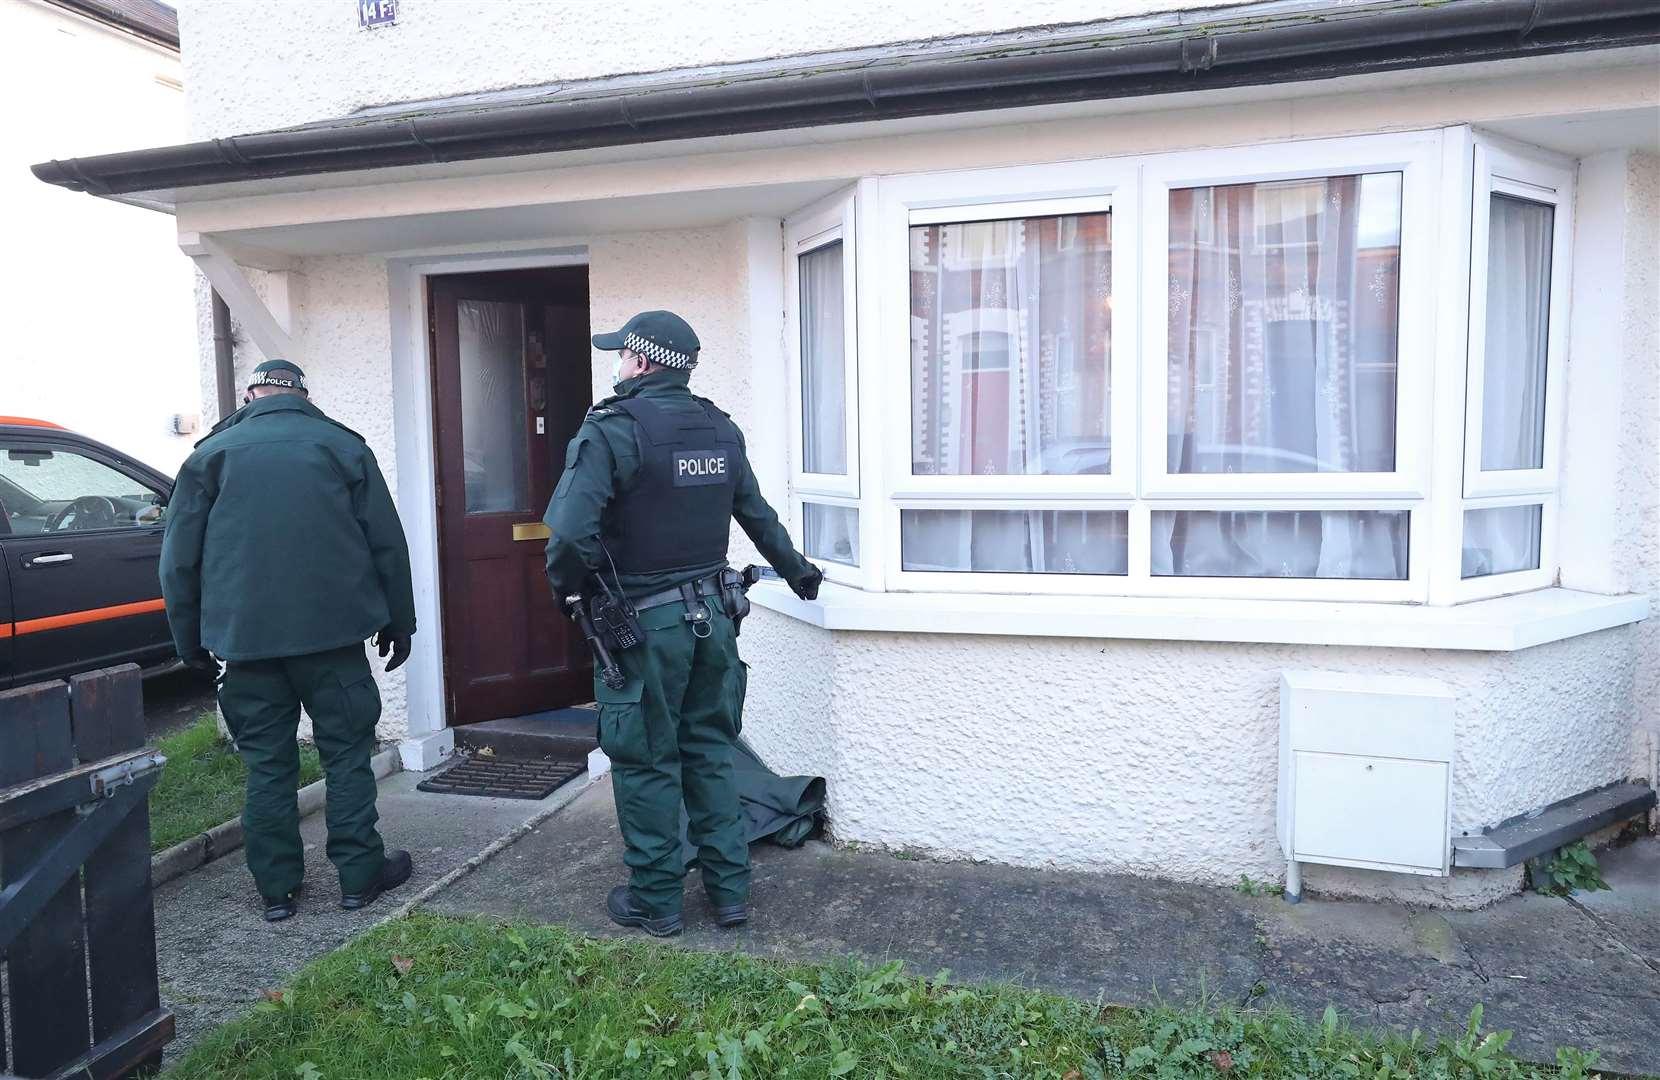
[(77, 920)]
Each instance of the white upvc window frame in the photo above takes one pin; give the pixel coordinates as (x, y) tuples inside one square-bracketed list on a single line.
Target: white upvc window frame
[(1502, 167), (1416, 156), (830, 220), (998, 195), (995, 195), (1538, 178), (1440, 255)]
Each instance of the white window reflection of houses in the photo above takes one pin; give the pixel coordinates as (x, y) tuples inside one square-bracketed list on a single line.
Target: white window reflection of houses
[(1011, 325)]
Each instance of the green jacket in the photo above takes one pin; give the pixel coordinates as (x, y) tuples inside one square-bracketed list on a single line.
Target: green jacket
[(603, 459), (282, 539)]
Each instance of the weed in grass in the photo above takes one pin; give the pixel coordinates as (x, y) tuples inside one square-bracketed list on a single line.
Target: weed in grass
[(444, 999), (202, 783)]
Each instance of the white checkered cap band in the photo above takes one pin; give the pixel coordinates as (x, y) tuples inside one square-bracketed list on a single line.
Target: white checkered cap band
[(659, 354), (277, 378)]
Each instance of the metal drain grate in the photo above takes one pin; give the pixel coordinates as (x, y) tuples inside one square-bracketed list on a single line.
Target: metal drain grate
[(499, 778)]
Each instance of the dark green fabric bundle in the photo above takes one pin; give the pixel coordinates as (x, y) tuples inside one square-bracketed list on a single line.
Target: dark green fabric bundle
[(782, 809)]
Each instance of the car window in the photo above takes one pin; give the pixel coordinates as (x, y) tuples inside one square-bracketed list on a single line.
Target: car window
[(51, 490)]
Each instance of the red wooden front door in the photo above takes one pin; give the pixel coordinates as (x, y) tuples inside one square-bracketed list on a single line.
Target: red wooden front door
[(511, 385)]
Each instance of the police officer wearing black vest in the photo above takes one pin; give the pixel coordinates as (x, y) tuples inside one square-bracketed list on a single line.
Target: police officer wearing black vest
[(652, 480)]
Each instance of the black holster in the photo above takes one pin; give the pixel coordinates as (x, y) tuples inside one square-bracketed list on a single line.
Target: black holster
[(733, 598)]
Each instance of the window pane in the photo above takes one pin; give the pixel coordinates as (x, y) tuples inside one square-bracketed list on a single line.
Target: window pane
[(495, 458), (1015, 541), (1011, 347), (1365, 544), (58, 491), (1501, 540), (832, 532), (1283, 304), (823, 373), (1518, 326)]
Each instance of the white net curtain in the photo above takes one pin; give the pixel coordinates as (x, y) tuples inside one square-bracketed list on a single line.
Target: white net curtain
[(1502, 540), (1011, 348), (1283, 299)]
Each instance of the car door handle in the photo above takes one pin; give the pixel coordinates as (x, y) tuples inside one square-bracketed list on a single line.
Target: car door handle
[(48, 560)]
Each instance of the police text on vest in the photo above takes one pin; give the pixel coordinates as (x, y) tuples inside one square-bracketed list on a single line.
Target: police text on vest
[(695, 467)]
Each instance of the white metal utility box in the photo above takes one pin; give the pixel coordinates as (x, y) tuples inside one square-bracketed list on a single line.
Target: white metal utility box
[(1365, 773)]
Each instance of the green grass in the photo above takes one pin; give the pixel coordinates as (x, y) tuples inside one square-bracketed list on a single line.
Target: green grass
[(202, 783), (451, 999)]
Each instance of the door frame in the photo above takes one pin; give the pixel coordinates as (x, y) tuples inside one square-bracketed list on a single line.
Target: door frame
[(429, 739)]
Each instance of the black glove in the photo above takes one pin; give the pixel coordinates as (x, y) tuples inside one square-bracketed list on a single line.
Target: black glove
[(398, 644), (807, 585), (202, 661)]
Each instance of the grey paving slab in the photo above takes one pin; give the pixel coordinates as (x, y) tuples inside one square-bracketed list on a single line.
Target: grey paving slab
[(1541, 967), (217, 955), (1538, 966), (1631, 911), (1080, 933)]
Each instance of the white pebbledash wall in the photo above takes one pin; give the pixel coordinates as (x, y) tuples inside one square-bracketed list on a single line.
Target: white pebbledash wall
[(98, 335), (1137, 756), (315, 63)]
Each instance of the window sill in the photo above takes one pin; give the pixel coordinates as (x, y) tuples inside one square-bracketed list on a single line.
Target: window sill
[(1504, 624)]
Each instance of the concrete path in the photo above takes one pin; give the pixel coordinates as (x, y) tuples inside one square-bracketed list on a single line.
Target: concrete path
[(1583, 972), (217, 955)]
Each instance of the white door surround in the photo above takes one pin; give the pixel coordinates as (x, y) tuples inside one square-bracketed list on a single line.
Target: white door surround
[(429, 739)]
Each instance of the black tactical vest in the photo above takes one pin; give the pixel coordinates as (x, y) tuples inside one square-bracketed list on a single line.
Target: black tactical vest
[(677, 513)]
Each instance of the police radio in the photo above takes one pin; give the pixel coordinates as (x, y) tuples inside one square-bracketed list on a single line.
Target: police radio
[(615, 618)]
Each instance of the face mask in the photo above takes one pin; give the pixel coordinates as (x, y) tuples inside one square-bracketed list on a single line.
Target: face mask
[(616, 371)]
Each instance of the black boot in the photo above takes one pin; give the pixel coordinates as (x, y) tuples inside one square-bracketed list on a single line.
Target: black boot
[(278, 908), (393, 872), (624, 911), (731, 915)]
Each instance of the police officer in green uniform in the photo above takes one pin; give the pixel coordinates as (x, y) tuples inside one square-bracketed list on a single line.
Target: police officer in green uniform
[(283, 553), (652, 481)]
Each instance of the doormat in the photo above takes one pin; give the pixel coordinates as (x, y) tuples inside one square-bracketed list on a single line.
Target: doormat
[(497, 778)]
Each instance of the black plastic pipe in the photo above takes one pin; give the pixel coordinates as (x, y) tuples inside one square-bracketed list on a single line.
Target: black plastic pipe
[(224, 356), (1264, 43)]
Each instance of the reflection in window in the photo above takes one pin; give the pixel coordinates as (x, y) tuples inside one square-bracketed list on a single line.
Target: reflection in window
[(1362, 544), (1501, 540), (1015, 541), (1518, 328), (45, 490), (823, 370), (831, 532), (1283, 301), (495, 459), (1011, 327)]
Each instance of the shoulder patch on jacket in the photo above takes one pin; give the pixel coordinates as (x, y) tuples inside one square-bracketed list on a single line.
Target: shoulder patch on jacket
[(713, 406), (604, 407), (346, 429)]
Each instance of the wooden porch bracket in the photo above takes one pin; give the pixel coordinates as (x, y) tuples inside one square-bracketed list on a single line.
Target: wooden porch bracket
[(270, 327)]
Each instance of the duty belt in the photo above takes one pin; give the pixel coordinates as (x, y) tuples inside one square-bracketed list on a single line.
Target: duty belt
[(707, 587)]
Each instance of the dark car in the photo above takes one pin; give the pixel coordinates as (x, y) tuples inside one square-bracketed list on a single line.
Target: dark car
[(80, 541)]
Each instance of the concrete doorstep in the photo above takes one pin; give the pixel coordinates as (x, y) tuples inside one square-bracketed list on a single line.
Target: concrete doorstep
[(226, 837)]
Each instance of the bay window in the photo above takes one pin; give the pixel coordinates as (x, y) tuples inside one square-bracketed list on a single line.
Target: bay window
[(1195, 374)]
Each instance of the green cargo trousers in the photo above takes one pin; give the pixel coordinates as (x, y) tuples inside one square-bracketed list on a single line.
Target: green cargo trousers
[(669, 733), (261, 701)]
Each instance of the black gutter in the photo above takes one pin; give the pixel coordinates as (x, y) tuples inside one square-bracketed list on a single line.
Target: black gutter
[(148, 19), (1286, 41)]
